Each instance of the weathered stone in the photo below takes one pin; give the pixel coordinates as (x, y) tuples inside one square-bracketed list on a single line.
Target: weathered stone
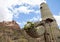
[(13, 33), (47, 29)]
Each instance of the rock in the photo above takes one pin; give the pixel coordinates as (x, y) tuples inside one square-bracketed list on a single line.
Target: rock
[(11, 32)]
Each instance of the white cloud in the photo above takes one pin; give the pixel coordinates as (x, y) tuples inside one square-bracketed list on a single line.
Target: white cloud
[(4, 4), (32, 2), (34, 19), (57, 17), (25, 9), (5, 15), (38, 11)]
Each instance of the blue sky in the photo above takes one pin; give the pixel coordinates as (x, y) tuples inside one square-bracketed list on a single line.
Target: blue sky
[(27, 10)]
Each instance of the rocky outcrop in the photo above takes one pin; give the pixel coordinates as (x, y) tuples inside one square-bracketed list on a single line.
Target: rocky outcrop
[(11, 32), (11, 24)]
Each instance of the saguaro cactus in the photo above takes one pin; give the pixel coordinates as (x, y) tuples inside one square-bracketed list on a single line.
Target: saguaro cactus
[(47, 28)]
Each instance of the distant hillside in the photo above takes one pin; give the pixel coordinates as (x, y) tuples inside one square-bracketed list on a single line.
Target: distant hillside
[(11, 32)]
